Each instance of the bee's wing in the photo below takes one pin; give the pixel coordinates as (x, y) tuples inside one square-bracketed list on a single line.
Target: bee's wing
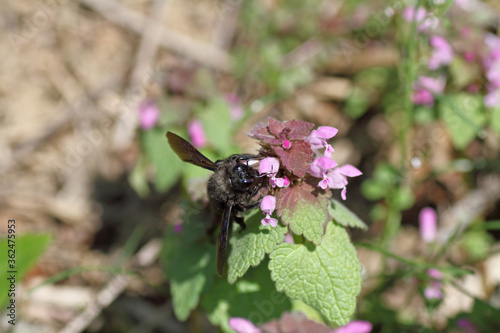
[(223, 237), (188, 153)]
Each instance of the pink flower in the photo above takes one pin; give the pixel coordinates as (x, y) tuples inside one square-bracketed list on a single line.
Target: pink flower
[(442, 53), (280, 182), (287, 144), (355, 326), (337, 178), (242, 325), (422, 97), (409, 14), (149, 113), (320, 166), (319, 139), (424, 22), (433, 291), (268, 205), (467, 326), (235, 108), (492, 98), (178, 228), (270, 167), (427, 224), (425, 89), (196, 133)]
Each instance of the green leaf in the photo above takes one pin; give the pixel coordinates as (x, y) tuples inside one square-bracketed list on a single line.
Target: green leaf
[(216, 121), (194, 270), (167, 165), (188, 260), (303, 211), (253, 297), (463, 115), (326, 277), (495, 120), (27, 249), (344, 216), (250, 246)]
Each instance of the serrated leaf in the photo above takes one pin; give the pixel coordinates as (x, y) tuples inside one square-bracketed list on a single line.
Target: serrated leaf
[(344, 216), (28, 248), (250, 247), (326, 277), (253, 297), (194, 268), (463, 115), (303, 211), (167, 165)]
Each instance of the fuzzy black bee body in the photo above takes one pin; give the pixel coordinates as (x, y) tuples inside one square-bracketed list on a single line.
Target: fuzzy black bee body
[(230, 188)]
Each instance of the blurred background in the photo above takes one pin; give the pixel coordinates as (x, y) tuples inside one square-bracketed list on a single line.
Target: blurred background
[(88, 89)]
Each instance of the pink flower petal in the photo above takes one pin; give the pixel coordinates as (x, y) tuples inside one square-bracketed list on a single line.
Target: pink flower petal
[(349, 171), (196, 133), (355, 326), (323, 183), (269, 165), (287, 144), (343, 194), (326, 163), (242, 325), (268, 204), (427, 224), (326, 132), (328, 151)]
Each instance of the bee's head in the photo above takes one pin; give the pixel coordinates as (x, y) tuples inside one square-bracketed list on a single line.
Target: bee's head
[(242, 175)]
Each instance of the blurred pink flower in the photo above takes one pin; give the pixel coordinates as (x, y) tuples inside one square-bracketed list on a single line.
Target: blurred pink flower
[(268, 205), (196, 133), (319, 139), (467, 326), (287, 144), (492, 98), (427, 224), (235, 108), (355, 326), (491, 62), (149, 113), (425, 89), (442, 53), (178, 228), (433, 291), (242, 325), (409, 14), (422, 97)]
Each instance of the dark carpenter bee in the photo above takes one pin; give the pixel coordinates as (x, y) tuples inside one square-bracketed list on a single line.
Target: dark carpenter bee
[(229, 189)]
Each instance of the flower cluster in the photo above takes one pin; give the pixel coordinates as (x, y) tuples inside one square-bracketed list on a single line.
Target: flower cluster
[(491, 64), (427, 87), (297, 154), (434, 290)]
